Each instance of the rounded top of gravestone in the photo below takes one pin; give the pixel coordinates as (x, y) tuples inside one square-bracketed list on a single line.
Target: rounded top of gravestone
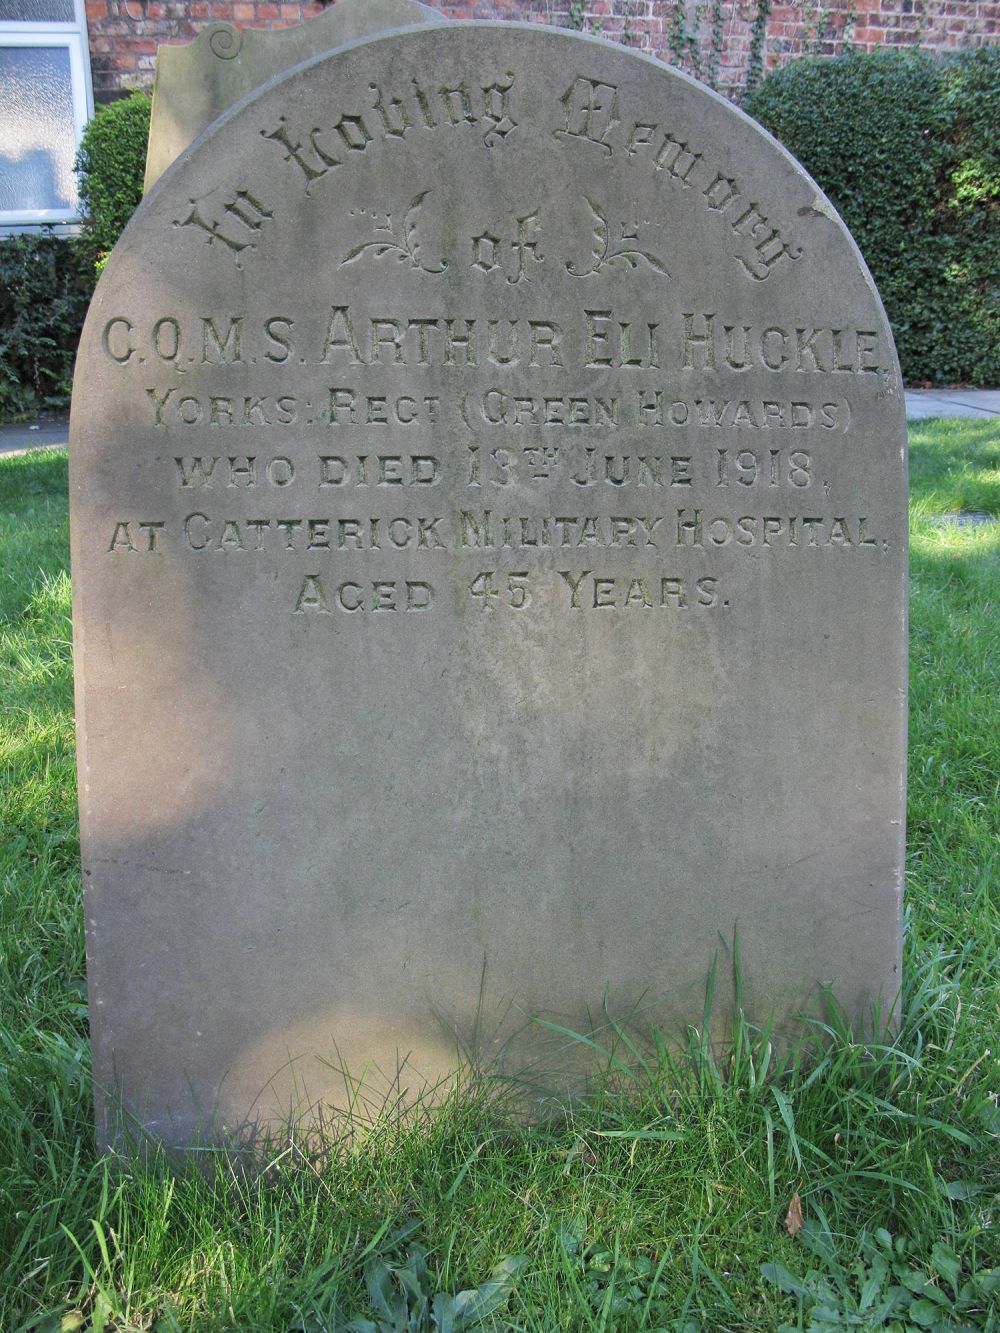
[(566, 127)]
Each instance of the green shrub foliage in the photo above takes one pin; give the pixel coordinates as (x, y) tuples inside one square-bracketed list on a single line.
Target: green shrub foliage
[(908, 149), (45, 285), (110, 165)]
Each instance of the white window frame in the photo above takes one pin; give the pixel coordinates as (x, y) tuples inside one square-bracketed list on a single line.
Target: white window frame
[(73, 38)]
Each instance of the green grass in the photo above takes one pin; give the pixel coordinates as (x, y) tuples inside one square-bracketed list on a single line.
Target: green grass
[(660, 1204)]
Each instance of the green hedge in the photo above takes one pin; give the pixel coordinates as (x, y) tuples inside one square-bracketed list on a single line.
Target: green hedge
[(908, 149), (110, 166), (45, 287)]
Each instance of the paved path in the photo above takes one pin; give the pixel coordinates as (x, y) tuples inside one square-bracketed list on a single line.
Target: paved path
[(975, 404), (53, 434)]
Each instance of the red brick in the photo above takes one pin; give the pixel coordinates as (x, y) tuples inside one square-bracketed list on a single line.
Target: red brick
[(877, 24)]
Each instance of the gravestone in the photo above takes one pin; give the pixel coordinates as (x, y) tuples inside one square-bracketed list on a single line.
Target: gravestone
[(197, 82), (487, 500)]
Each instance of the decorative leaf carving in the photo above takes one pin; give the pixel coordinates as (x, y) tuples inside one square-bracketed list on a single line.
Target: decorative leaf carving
[(602, 254), (405, 247)]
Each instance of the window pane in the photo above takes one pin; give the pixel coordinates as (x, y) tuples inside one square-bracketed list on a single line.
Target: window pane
[(37, 129), (37, 11)]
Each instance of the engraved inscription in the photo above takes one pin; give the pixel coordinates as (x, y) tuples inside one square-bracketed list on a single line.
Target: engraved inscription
[(242, 218), (602, 462), (482, 529), (691, 343), (571, 464), (710, 343), (392, 116), (490, 252), (520, 409), (591, 116), (135, 536), (590, 108), (380, 595), (612, 592)]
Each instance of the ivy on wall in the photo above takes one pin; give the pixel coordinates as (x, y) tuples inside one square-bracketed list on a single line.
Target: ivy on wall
[(690, 45), (755, 60)]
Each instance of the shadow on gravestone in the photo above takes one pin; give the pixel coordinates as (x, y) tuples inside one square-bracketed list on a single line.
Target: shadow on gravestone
[(488, 527), (197, 82)]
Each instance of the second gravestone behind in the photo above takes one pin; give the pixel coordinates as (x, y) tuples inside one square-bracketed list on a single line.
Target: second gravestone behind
[(488, 506)]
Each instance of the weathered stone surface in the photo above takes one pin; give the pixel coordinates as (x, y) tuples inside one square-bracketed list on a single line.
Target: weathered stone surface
[(488, 493), (196, 82)]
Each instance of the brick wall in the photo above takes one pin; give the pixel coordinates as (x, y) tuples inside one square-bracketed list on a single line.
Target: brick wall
[(124, 34)]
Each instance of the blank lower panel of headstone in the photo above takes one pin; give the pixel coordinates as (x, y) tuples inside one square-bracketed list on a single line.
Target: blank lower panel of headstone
[(488, 498)]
